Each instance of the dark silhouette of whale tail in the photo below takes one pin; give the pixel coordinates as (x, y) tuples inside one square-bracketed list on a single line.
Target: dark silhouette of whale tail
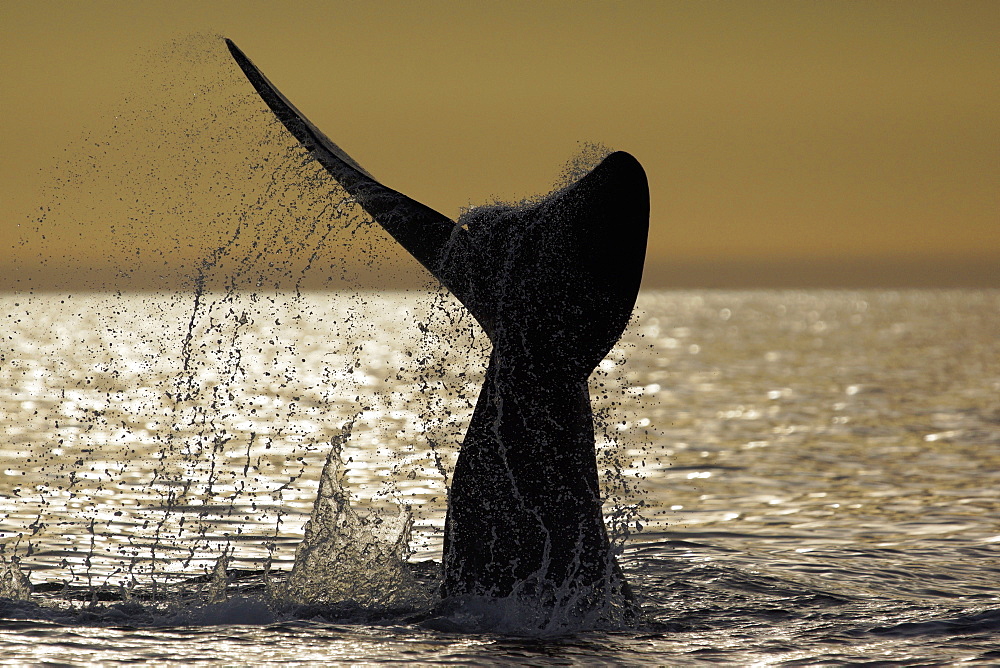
[(561, 275), (553, 283), (599, 224)]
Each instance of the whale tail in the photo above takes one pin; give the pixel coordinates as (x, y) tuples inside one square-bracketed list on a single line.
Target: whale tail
[(597, 226), (553, 284), (426, 234)]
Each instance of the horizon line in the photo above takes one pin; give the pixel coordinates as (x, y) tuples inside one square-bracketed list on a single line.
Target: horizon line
[(789, 273)]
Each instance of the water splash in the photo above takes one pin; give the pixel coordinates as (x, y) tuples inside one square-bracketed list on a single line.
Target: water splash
[(14, 584), (175, 421), (345, 557)]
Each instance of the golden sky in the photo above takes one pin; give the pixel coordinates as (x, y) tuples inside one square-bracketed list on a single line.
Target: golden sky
[(785, 142)]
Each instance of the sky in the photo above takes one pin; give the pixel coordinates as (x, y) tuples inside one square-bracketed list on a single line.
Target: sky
[(790, 144)]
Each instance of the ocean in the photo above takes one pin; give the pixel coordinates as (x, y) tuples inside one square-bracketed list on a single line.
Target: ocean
[(791, 477)]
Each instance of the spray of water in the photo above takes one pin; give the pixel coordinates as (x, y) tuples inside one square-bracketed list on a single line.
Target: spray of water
[(192, 381), (347, 557)]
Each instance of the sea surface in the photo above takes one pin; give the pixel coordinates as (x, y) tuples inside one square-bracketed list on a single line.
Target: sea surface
[(793, 478)]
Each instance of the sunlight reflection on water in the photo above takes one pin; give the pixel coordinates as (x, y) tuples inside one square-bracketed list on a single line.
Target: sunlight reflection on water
[(844, 441)]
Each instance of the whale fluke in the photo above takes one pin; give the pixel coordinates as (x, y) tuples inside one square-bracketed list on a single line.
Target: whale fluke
[(553, 283), (426, 234)]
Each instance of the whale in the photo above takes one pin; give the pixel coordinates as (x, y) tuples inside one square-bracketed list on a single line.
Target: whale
[(553, 283)]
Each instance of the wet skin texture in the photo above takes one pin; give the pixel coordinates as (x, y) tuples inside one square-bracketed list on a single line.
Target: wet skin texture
[(553, 285)]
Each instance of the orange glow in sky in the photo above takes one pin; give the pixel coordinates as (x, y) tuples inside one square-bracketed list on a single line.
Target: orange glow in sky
[(786, 143)]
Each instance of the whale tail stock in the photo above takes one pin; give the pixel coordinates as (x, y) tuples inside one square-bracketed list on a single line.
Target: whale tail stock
[(553, 283)]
